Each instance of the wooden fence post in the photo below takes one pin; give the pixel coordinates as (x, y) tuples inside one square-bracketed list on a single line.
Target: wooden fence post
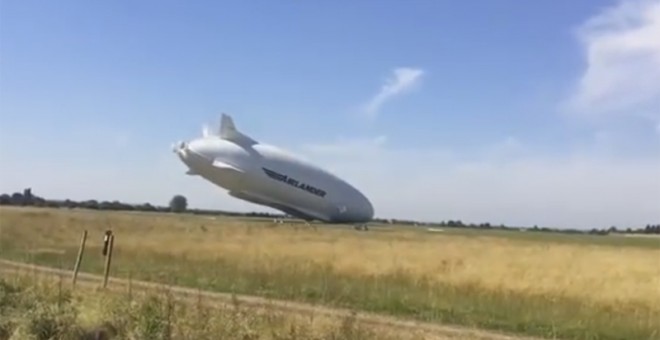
[(108, 260), (81, 250)]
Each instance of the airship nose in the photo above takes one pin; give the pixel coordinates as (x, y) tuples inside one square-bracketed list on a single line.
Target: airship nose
[(199, 148), (194, 153), (178, 147)]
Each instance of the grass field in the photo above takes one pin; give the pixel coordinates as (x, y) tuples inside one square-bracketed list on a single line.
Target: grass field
[(578, 287), (45, 309)]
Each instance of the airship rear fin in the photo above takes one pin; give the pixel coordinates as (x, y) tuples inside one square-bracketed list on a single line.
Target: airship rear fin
[(229, 132)]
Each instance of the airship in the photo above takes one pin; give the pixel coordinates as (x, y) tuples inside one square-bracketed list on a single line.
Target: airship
[(273, 177)]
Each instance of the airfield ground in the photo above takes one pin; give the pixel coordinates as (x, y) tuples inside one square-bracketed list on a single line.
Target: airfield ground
[(147, 310), (554, 286)]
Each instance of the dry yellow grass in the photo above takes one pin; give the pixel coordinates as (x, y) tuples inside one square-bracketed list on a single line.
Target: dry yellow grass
[(327, 323), (30, 302), (601, 275)]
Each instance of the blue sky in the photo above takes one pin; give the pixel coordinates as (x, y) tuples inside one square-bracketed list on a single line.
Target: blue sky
[(511, 112)]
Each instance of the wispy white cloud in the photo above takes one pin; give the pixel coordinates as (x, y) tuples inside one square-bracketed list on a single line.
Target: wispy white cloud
[(622, 50), (400, 81)]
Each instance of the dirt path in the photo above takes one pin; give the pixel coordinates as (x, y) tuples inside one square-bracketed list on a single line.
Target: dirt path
[(423, 329)]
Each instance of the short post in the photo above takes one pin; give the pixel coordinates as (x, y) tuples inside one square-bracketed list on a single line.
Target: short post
[(106, 240), (108, 260), (130, 285), (81, 250)]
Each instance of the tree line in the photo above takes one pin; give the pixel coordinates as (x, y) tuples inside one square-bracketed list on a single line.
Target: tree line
[(179, 204)]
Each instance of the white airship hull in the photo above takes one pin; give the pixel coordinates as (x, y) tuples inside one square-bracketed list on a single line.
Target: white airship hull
[(268, 176)]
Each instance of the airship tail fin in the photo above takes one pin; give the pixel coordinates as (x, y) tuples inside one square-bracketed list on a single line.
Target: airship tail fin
[(229, 132)]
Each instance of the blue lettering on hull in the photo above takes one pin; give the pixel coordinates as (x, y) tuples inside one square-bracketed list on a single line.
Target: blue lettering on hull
[(294, 182)]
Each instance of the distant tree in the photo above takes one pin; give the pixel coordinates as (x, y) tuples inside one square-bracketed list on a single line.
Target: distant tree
[(178, 204), (5, 199), (17, 199), (149, 207), (70, 204), (90, 204), (52, 204), (655, 229), (598, 231), (38, 201), (27, 196)]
